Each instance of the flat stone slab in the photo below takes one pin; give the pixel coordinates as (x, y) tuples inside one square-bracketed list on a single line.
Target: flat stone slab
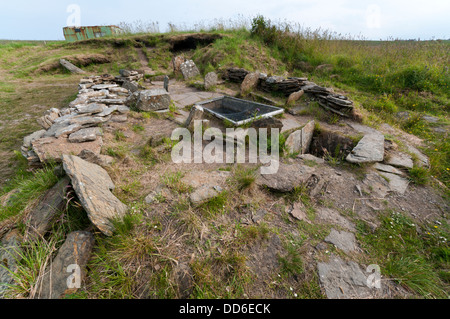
[(399, 159), (61, 129), (376, 185), (85, 135), (310, 157), (388, 169), (153, 100), (287, 177), (423, 160), (41, 218), (343, 240), (331, 216), (300, 140), (68, 268), (189, 69), (9, 256), (397, 184), (104, 86), (51, 149), (69, 66), (203, 194), (369, 149), (345, 280), (91, 108), (93, 187)]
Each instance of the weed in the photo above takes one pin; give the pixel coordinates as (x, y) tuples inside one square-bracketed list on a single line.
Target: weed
[(419, 175), (173, 181), (404, 254), (244, 177)]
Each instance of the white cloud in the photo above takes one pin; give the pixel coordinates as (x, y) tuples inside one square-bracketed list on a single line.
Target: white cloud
[(399, 18)]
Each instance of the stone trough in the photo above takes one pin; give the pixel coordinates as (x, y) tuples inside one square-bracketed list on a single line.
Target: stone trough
[(238, 111)]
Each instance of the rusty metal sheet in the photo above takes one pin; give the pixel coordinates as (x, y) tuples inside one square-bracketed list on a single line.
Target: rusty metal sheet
[(72, 34)]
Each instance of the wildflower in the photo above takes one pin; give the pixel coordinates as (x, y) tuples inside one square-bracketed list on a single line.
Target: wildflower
[(435, 226)]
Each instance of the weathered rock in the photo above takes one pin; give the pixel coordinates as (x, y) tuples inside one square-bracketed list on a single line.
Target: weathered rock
[(345, 280), (41, 218), (109, 110), (281, 85), (300, 140), (298, 212), (62, 129), (85, 135), (287, 177), (369, 149), (375, 185), (388, 169), (152, 100), (211, 80), (430, 119), (122, 109), (91, 108), (189, 69), (195, 114), (130, 86), (333, 217), (307, 135), (294, 97), (119, 91), (104, 86), (51, 149), (88, 120), (10, 251), (119, 118), (293, 142), (269, 123), (159, 191), (250, 83), (177, 61), (422, 160), (258, 216), (93, 187), (236, 74), (99, 159), (69, 66), (67, 270), (397, 184), (310, 157), (48, 118), (166, 83), (343, 240), (108, 100), (30, 138), (399, 159), (202, 194), (125, 72)]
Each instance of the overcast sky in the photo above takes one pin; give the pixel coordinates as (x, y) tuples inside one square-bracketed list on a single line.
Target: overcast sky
[(376, 19)]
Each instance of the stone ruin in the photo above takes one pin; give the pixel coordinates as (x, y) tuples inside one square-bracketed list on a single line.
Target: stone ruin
[(331, 101), (101, 99)]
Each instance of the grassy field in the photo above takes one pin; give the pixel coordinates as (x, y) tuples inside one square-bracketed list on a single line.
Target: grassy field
[(383, 78)]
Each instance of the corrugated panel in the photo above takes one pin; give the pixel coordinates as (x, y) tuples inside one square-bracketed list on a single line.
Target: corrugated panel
[(72, 34)]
